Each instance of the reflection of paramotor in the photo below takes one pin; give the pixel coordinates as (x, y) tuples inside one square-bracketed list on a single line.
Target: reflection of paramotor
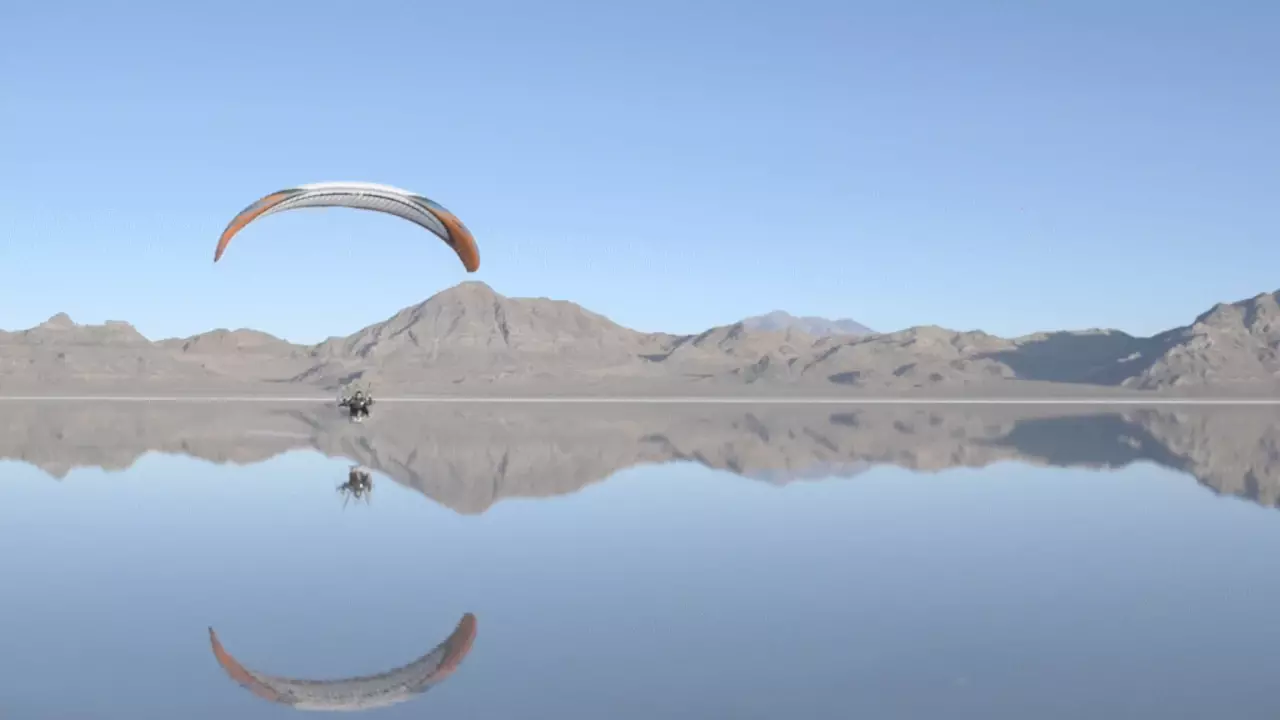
[(358, 693), (362, 196), (359, 484)]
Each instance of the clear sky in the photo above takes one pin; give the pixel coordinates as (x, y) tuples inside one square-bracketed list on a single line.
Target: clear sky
[(673, 164)]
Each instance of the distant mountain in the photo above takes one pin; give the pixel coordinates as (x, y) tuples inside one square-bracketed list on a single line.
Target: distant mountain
[(224, 342), (471, 334), (470, 340), (780, 321), (60, 330)]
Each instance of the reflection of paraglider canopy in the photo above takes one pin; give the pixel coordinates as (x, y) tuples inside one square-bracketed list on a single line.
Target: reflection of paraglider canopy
[(362, 196), (357, 693)]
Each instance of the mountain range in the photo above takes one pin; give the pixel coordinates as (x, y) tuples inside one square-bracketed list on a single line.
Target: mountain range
[(471, 340), (469, 456)]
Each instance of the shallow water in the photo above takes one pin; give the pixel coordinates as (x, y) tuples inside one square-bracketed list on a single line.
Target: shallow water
[(626, 563)]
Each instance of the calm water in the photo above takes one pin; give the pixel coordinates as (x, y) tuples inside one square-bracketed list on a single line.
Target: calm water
[(623, 562)]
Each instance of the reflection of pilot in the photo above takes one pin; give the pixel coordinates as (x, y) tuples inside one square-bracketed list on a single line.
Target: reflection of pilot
[(359, 477)]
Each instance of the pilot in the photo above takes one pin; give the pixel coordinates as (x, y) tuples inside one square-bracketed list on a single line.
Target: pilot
[(359, 403)]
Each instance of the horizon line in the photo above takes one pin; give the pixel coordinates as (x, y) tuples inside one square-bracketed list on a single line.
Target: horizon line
[(869, 332), (672, 400)]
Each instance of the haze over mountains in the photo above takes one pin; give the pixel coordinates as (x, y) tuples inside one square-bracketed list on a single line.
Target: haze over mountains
[(781, 321), (471, 340), (468, 456)]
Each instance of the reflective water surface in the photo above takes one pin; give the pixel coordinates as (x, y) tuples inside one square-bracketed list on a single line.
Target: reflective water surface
[(522, 561)]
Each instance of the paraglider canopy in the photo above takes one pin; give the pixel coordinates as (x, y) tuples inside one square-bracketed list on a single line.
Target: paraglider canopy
[(415, 208)]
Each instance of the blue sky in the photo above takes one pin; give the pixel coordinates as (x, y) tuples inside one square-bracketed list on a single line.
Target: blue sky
[(673, 165)]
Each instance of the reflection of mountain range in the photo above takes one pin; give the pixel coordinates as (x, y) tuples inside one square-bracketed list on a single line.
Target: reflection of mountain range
[(469, 456)]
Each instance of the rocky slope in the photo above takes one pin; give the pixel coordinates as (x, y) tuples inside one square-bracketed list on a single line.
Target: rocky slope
[(470, 339), (1230, 345)]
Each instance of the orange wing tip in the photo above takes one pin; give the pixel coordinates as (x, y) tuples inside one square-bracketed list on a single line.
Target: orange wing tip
[(246, 216), (461, 240)]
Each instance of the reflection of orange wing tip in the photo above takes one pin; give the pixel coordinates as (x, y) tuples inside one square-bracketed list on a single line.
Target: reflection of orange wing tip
[(458, 646), (238, 672)]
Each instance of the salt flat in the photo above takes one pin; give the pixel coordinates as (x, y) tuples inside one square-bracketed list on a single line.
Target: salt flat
[(693, 400)]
